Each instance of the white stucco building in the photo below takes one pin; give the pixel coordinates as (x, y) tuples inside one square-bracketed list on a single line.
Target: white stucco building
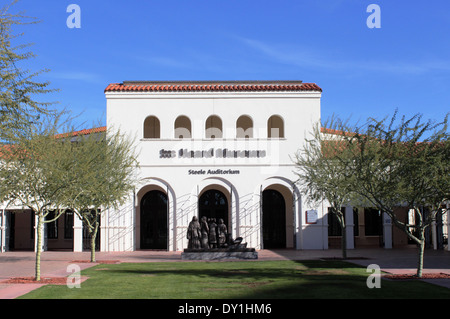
[(218, 149), (215, 149)]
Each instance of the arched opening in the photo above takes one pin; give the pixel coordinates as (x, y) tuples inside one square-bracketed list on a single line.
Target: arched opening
[(183, 128), (214, 204), (152, 128), (213, 127), (244, 127), (153, 220), (273, 219), (275, 127)]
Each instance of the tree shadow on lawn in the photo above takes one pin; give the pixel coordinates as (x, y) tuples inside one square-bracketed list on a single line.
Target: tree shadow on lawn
[(239, 270), (316, 279), (256, 280)]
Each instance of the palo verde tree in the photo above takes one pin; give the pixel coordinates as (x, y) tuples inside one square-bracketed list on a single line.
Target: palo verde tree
[(102, 176), (19, 88), (34, 174), (405, 164), (323, 176)]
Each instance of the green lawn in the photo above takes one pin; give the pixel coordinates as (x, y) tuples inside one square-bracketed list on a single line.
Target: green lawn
[(229, 280)]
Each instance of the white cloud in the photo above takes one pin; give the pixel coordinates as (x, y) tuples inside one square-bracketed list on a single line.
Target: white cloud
[(77, 76), (312, 58)]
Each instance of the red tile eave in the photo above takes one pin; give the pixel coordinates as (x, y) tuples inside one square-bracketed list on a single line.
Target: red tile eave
[(120, 87), (83, 132), (331, 131)]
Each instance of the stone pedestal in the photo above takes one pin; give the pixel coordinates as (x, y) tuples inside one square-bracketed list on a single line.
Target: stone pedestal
[(219, 253)]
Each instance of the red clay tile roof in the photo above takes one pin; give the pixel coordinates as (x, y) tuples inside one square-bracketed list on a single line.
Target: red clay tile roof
[(90, 131), (5, 148), (83, 132), (212, 86)]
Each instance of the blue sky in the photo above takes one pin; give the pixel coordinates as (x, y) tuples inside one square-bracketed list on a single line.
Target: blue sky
[(363, 72)]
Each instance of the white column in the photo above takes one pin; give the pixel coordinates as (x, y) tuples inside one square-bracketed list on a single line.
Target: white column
[(297, 220), (77, 234), (104, 229), (324, 221), (6, 231), (433, 234), (349, 225), (387, 231)]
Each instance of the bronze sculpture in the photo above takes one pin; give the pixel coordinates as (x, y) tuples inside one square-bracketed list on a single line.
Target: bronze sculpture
[(194, 234)]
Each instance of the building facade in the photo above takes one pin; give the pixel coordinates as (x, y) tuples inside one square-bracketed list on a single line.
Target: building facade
[(216, 149), (222, 150)]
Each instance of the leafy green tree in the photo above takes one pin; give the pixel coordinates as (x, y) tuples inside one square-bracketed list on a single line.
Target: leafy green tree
[(102, 176), (324, 176), (33, 175), (19, 89), (402, 164)]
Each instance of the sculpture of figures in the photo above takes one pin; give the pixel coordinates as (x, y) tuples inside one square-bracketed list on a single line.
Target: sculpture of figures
[(222, 230), (194, 234), (204, 233), (207, 234), (213, 233)]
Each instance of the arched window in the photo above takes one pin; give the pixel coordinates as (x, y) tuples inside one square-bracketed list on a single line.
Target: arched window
[(275, 127), (213, 127), (152, 127), (183, 127), (213, 204), (244, 127)]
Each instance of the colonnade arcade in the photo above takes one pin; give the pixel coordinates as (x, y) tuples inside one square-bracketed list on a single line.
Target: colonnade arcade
[(161, 217)]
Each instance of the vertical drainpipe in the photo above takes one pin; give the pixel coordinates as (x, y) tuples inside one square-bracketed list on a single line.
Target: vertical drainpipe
[(294, 213), (261, 241), (133, 221), (168, 219), (231, 213)]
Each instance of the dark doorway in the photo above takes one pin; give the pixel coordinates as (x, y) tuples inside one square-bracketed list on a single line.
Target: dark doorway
[(154, 220), (274, 219), (19, 230), (214, 204)]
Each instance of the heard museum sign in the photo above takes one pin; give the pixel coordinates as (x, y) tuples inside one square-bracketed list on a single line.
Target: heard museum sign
[(212, 153)]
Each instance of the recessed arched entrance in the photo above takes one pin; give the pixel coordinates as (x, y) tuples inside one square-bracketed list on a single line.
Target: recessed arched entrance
[(153, 220), (273, 219), (213, 204)]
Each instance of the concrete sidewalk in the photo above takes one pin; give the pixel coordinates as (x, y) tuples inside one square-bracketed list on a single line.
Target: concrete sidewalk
[(55, 263)]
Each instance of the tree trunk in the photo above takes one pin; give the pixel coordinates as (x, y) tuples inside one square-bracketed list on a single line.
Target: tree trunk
[(421, 246), (343, 235), (39, 248), (417, 237), (93, 237), (92, 248)]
